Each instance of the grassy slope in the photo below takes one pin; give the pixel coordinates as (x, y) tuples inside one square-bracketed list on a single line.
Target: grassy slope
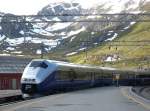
[(131, 56)]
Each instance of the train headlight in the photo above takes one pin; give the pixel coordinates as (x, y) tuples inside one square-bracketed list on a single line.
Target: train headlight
[(33, 80), (28, 80), (24, 79)]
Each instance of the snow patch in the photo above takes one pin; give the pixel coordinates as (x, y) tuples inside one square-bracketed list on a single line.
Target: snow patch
[(76, 32), (45, 41), (17, 41), (49, 48), (58, 26), (132, 23), (56, 19), (112, 58), (41, 24), (71, 33), (95, 43), (5, 54), (91, 17), (17, 52), (62, 33), (38, 51), (72, 38), (112, 38), (10, 48), (72, 53), (92, 33), (126, 27), (42, 31), (81, 49), (109, 34), (21, 32), (2, 37)]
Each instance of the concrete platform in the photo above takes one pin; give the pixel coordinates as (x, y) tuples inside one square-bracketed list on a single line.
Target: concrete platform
[(8, 93), (7, 96), (142, 91), (129, 93), (94, 99)]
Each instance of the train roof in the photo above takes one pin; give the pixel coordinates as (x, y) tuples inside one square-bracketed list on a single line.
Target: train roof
[(60, 65)]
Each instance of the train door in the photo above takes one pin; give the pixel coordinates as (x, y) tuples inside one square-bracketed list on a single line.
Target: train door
[(116, 78), (14, 81), (92, 79)]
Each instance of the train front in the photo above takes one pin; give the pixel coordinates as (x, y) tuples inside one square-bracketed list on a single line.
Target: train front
[(36, 78)]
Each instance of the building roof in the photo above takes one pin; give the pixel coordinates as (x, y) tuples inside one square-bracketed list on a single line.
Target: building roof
[(9, 64)]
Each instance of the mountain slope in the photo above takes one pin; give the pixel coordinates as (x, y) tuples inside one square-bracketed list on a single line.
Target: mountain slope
[(29, 38), (131, 54), (129, 49)]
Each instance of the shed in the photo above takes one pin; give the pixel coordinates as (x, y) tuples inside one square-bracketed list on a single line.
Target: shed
[(11, 69)]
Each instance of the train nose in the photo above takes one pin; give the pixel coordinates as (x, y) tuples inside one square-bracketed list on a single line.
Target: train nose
[(29, 88)]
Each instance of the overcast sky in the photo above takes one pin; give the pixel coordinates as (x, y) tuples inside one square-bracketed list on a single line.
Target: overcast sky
[(26, 7)]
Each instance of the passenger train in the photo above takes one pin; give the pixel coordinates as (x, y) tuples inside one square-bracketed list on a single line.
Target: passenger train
[(42, 77)]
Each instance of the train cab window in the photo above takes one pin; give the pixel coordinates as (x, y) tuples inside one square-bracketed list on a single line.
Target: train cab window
[(43, 65), (38, 64), (35, 64)]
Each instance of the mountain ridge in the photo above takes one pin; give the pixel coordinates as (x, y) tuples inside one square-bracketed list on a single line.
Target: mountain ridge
[(27, 38)]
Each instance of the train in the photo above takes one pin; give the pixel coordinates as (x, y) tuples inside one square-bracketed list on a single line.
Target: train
[(43, 77)]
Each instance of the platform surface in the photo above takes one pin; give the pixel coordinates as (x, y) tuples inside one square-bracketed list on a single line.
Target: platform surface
[(8, 93), (95, 99)]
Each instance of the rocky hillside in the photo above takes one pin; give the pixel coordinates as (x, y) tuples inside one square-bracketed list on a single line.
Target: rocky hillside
[(67, 38), (129, 49)]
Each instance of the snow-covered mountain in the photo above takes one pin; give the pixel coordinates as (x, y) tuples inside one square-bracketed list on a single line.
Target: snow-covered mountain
[(28, 38)]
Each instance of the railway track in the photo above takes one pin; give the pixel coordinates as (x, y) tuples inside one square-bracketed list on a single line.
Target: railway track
[(10, 100)]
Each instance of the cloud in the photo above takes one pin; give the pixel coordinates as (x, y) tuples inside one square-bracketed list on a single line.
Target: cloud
[(22, 6), (27, 7)]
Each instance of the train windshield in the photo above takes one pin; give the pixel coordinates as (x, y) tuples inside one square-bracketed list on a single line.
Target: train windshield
[(38, 64)]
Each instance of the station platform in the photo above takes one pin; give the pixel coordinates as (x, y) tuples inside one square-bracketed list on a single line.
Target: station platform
[(94, 99), (9, 95), (142, 91)]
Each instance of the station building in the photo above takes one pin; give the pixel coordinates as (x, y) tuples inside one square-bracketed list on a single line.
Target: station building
[(11, 69)]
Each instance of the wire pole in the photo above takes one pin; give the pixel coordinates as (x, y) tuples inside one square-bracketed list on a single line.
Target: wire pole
[(42, 50)]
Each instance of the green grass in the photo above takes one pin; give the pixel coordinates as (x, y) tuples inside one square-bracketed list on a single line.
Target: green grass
[(130, 56)]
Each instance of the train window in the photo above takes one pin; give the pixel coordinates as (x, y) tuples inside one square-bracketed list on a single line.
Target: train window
[(35, 64), (107, 75), (38, 64), (143, 76), (83, 76), (43, 65), (129, 76), (72, 75), (98, 75), (62, 75)]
